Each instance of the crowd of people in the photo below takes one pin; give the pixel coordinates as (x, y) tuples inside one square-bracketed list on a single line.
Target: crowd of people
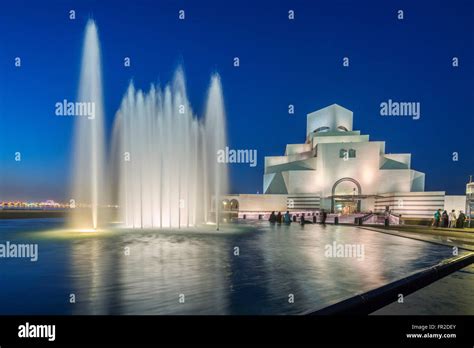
[(287, 218), (440, 219), (451, 220), (279, 218)]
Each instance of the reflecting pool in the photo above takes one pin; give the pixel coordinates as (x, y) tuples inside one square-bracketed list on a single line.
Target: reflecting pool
[(246, 268)]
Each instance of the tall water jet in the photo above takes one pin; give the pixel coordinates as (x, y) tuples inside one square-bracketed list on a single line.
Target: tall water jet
[(168, 157), (88, 156), (216, 140)]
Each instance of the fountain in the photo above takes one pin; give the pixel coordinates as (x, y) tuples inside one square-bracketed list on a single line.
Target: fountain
[(214, 133), (164, 170), (168, 169), (88, 157)]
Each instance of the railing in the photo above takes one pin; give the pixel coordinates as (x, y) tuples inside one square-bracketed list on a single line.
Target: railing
[(379, 219), (394, 219), (367, 216)]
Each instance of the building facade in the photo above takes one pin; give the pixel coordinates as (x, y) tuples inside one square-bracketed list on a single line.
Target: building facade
[(340, 170)]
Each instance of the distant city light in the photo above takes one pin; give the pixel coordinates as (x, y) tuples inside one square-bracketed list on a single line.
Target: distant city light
[(48, 204)]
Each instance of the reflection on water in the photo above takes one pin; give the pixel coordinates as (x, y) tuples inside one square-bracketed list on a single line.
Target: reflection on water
[(144, 273), (196, 271)]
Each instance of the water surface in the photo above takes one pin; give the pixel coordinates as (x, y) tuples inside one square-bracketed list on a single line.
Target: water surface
[(148, 272)]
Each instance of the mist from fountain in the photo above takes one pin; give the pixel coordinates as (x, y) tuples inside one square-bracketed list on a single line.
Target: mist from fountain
[(88, 155), (167, 157)]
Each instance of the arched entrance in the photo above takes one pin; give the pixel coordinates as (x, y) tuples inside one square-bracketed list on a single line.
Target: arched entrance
[(345, 196), (234, 205)]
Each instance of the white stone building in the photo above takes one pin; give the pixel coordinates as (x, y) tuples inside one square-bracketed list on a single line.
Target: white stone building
[(341, 170)]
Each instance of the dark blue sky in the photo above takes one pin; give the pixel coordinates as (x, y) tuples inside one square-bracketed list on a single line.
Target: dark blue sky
[(282, 62)]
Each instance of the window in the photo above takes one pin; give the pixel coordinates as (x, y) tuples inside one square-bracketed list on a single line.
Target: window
[(321, 129), (346, 154)]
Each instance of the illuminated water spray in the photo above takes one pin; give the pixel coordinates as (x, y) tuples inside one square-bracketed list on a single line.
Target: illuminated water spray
[(88, 157), (216, 140), (169, 175), (164, 170)]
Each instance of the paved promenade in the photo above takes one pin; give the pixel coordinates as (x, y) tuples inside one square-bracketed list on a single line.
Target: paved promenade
[(452, 295)]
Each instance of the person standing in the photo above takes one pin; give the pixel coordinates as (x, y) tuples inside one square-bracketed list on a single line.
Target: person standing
[(461, 219), (445, 219), (302, 221), (387, 217), (278, 218), (452, 219), (287, 218), (272, 218), (437, 217)]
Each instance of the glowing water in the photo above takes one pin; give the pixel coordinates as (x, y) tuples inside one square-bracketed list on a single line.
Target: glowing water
[(88, 157), (214, 129), (168, 169)]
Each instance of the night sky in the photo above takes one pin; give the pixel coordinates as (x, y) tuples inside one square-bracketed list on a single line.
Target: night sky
[(282, 62)]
